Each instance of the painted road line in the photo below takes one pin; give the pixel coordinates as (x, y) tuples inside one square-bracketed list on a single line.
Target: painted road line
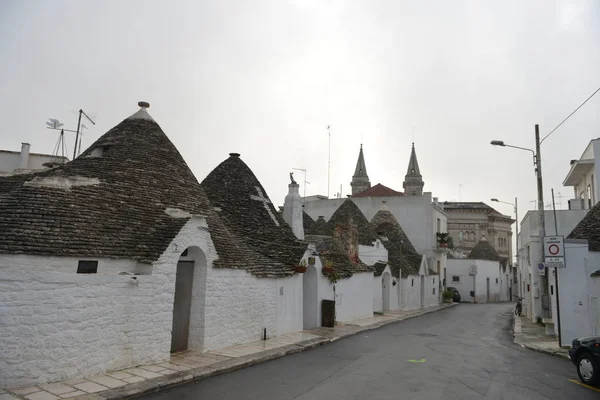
[(584, 385), (422, 360)]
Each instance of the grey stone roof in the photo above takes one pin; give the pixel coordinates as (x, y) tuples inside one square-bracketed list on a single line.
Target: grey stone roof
[(114, 205), (236, 194), (379, 268), (348, 210), (589, 229), (484, 251), (402, 255), (343, 264)]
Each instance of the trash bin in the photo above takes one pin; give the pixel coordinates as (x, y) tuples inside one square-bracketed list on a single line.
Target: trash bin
[(328, 313)]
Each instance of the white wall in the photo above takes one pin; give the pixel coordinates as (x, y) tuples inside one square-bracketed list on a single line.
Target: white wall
[(411, 292), (9, 161), (432, 294), (394, 291), (56, 324), (485, 269), (354, 300), (372, 254), (529, 254), (579, 292)]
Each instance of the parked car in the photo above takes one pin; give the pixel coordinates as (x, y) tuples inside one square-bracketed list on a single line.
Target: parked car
[(455, 294), (585, 354)]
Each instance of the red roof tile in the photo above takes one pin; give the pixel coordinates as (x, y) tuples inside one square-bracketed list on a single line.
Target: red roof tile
[(379, 190)]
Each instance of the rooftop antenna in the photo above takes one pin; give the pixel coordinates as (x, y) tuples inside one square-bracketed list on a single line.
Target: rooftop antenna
[(77, 132), (61, 145), (305, 182), (328, 159), (460, 192)]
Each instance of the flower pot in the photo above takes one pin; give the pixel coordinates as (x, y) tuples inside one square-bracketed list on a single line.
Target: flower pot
[(300, 268), (327, 269), (448, 300)]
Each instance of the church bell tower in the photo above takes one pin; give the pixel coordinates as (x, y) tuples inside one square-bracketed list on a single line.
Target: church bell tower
[(413, 181), (360, 179)]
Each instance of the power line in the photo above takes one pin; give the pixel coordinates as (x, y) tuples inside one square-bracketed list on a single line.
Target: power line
[(565, 120)]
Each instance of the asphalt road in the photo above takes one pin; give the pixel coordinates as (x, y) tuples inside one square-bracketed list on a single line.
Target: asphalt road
[(465, 352)]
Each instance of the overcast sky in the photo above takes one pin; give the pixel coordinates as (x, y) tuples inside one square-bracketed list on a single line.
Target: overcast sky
[(265, 78)]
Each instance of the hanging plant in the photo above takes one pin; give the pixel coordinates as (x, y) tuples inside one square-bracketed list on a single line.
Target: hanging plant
[(328, 267), (301, 268), (333, 277)]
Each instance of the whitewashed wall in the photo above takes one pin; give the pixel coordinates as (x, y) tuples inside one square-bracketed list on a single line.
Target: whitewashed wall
[(432, 295), (354, 300), (579, 293), (411, 292), (373, 254), (56, 324), (485, 269)]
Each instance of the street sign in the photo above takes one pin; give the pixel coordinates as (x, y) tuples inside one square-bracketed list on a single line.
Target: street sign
[(473, 270), (555, 262), (554, 246), (554, 251), (541, 268)]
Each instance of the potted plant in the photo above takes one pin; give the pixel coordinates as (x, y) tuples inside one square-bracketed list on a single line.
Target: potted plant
[(301, 268), (442, 238), (447, 295), (328, 267)]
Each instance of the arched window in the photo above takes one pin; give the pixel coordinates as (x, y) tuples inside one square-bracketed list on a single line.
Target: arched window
[(460, 236), (472, 236)]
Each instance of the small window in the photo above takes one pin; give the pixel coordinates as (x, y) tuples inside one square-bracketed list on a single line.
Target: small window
[(438, 266), (456, 279), (434, 281), (552, 290), (412, 282), (496, 281), (87, 267), (433, 290)]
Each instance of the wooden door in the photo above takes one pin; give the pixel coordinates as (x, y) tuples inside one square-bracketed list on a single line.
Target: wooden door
[(182, 305)]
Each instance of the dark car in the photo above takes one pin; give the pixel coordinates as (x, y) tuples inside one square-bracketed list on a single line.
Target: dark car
[(585, 354), (455, 294)]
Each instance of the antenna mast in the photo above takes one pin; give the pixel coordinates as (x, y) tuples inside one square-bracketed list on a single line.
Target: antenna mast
[(77, 132)]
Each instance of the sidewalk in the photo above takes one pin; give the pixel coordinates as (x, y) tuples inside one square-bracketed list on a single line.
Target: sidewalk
[(533, 336), (192, 366)]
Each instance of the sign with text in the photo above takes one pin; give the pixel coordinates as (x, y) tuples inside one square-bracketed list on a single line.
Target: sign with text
[(554, 246), (555, 262)]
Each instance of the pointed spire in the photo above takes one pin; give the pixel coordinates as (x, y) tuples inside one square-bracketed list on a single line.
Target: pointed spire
[(413, 181), (360, 180)]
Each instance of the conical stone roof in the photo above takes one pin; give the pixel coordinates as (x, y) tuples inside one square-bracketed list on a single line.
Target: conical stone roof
[(127, 196), (348, 210), (589, 229), (402, 256), (484, 251), (246, 210)]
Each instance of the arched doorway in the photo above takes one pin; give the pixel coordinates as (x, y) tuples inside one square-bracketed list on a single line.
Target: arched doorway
[(386, 284), (310, 298), (188, 303)]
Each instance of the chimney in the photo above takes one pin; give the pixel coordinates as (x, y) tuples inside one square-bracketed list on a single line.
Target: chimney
[(345, 239), (24, 158), (292, 210)]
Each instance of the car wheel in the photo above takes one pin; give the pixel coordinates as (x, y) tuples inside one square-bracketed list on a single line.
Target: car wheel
[(588, 370)]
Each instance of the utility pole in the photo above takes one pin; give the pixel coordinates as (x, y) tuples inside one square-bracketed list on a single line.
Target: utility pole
[(517, 244), (556, 276), (541, 208)]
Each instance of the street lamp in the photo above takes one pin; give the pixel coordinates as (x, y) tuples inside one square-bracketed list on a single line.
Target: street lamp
[(537, 160)]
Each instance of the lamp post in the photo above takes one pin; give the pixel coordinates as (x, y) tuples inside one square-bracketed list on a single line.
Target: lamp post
[(537, 160), (516, 228)]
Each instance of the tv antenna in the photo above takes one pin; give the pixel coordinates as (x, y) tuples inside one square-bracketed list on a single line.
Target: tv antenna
[(305, 182), (61, 145), (328, 159), (75, 153)]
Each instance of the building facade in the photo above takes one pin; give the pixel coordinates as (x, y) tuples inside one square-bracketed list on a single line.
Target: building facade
[(24, 161), (471, 222), (583, 177)]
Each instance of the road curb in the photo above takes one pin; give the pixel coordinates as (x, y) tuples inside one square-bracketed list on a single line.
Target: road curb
[(233, 364), (518, 339)]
